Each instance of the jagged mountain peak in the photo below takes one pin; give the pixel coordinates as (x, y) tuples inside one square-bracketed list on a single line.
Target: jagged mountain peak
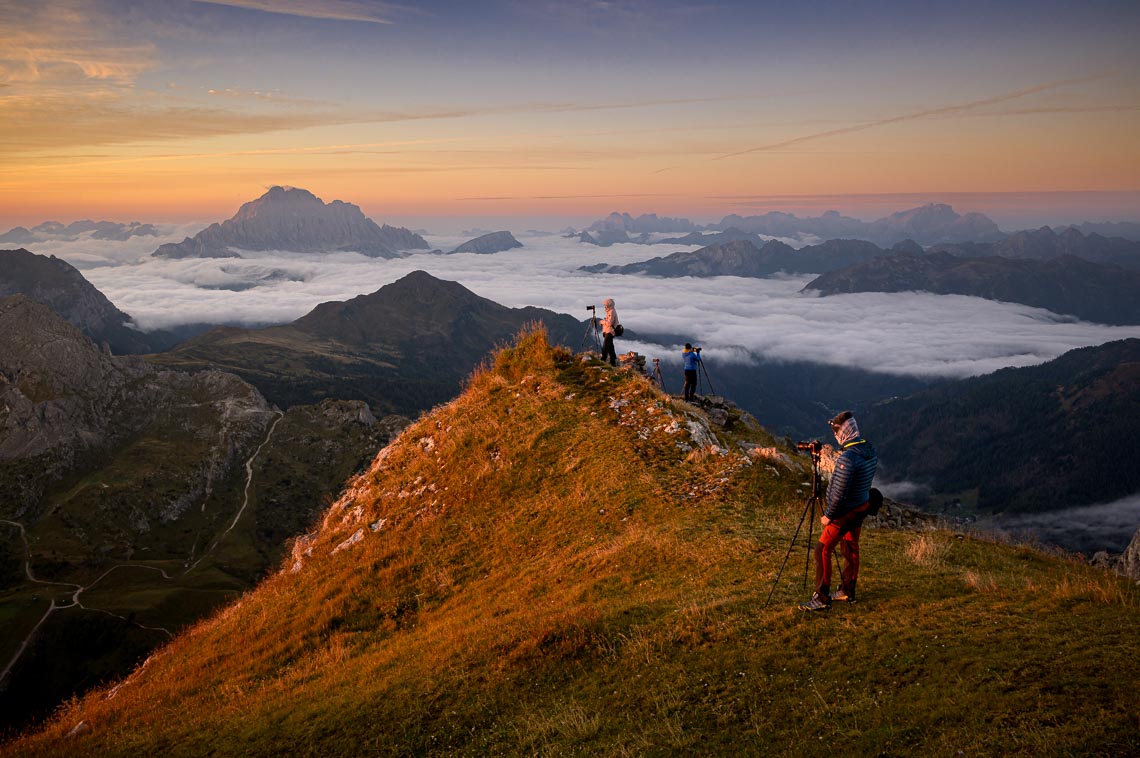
[(294, 219)]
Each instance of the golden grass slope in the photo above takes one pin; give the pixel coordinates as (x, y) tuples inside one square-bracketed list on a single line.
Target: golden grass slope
[(541, 567)]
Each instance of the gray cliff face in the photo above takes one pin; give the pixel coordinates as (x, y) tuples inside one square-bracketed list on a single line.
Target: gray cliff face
[(64, 403), (495, 242), (298, 221)]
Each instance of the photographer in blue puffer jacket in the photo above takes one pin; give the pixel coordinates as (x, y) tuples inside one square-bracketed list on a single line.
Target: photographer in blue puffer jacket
[(848, 500)]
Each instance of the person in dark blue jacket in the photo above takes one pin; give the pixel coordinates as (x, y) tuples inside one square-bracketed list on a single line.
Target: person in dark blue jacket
[(848, 498), (692, 358)]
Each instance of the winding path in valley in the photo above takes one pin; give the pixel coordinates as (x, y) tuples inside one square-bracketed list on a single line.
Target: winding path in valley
[(78, 589)]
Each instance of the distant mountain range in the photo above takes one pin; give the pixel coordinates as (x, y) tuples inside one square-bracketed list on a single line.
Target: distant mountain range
[(60, 286), (1044, 244), (1102, 293), (1129, 230), (1021, 439), (401, 349), (54, 230), (647, 223), (287, 218), (927, 225), (744, 258)]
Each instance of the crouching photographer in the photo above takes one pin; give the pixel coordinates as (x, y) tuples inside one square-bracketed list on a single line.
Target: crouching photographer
[(848, 501)]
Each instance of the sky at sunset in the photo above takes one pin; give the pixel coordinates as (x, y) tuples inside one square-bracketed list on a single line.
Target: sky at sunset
[(181, 110)]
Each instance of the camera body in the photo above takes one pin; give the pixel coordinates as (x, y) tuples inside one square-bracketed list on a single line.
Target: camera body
[(696, 350), (814, 446), (593, 308)]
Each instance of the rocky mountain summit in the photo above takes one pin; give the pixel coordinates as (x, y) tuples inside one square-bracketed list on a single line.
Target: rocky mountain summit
[(287, 218), (494, 242), (60, 286), (1068, 285), (402, 349)]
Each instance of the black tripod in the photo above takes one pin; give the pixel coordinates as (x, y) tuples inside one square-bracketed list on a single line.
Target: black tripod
[(815, 499), (593, 335), (657, 375), (703, 378)]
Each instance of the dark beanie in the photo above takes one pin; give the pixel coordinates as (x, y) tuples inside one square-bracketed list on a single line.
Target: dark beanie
[(840, 419)]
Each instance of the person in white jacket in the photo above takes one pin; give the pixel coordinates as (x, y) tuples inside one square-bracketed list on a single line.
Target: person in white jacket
[(609, 324)]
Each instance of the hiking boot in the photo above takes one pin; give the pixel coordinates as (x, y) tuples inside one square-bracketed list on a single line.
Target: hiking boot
[(818, 602), (841, 596)]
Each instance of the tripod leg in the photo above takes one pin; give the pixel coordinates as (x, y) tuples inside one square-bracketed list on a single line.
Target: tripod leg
[(809, 505), (810, 546), (705, 371)]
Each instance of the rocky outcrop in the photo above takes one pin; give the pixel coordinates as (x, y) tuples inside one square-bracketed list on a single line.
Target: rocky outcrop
[(291, 219), (495, 242), (59, 285)]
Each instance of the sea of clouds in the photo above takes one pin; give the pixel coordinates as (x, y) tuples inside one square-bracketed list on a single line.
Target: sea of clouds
[(1085, 529), (736, 319)]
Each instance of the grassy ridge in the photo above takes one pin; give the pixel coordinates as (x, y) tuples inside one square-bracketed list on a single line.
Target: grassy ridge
[(543, 569)]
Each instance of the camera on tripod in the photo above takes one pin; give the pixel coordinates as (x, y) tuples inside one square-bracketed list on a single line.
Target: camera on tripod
[(696, 350), (814, 446), (593, 308)]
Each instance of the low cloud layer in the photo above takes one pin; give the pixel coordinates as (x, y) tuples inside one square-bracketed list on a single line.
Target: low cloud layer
[(1109, 526), (735, 319)]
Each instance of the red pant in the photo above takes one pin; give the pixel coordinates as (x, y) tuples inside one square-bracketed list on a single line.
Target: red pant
[(844, 532)]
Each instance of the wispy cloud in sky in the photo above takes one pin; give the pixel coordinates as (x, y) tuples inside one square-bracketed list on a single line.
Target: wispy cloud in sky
[(60, 44), (111, 118), (944, 110), (335, 10)]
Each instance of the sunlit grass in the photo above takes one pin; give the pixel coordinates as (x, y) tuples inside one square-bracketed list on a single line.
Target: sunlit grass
[(553, 575)]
